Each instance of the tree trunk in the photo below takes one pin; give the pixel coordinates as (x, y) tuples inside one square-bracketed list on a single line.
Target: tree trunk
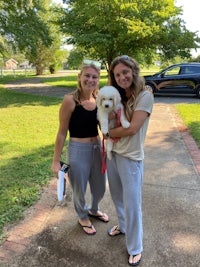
[(39, 70)]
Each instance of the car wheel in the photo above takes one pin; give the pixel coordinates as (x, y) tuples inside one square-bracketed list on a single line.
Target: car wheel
[(198, 92)]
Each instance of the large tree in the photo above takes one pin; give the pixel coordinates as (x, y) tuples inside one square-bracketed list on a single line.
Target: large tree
[(29, 26), (48, 56), (21, 24), (107, 28)]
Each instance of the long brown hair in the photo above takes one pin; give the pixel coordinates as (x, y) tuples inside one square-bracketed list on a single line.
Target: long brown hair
[(138, 81)]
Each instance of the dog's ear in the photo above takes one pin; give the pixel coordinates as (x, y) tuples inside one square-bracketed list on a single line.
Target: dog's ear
[(98, 100), (116, 99)]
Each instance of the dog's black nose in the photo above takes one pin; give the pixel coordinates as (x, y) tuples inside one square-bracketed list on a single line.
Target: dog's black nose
[(106, 106)]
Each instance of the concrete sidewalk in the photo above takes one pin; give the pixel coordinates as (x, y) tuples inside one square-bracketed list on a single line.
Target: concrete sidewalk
[(50, 235)]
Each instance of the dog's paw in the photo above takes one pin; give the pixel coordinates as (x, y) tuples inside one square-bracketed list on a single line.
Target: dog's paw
[(125, 124), (104, 130), (109, 155), (109, 147)]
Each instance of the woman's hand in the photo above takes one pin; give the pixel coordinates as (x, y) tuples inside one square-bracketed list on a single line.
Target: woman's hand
[(112, 115), (55, 167)]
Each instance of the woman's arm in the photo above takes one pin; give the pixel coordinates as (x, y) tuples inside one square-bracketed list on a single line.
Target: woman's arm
[(136, 123), (65, 112)]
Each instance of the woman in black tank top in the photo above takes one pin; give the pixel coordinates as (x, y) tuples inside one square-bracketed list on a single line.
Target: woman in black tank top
[(78, 116)]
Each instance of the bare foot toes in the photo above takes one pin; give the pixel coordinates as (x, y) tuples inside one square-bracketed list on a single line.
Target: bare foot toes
[(134, 260), (87, 227)]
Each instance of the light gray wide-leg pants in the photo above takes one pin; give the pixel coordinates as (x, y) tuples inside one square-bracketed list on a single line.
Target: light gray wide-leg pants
[(125, 181), (85, 161)]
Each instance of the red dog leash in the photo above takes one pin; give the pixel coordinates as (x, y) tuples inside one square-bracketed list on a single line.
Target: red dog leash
[(103, 166)]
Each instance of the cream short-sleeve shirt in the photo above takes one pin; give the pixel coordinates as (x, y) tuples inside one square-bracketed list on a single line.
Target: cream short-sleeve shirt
[(132, 146)]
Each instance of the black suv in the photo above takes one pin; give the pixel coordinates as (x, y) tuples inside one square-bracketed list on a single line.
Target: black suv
[(179, 79)]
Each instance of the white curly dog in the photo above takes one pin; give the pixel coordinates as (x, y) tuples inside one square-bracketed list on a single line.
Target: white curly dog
[(109, 99)]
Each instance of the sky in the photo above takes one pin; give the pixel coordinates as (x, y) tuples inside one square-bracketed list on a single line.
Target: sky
[(191, 17), (190, 13)]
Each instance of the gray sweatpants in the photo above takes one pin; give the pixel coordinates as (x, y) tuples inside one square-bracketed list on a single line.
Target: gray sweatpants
[(85, 161), (125, 181)]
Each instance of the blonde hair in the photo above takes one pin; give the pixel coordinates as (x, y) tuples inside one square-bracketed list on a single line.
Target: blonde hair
[(77, 94)]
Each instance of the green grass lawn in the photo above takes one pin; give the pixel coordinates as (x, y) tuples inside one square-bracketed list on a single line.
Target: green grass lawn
[(28, 128), (29, 125), (70, 80), (190, 113)]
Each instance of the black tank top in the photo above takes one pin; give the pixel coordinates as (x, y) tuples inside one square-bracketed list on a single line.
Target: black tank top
[(83, 122)]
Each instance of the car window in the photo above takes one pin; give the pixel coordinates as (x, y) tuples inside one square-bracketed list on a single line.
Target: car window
[(172, 71), (190, 69), (193, 69), (186, 70)]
